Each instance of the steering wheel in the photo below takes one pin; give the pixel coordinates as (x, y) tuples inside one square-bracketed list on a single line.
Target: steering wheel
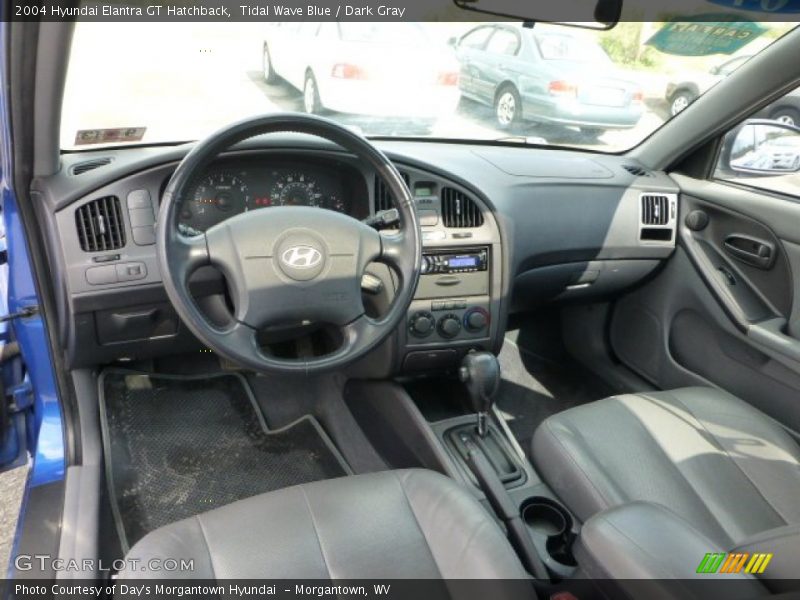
[(288, 264)]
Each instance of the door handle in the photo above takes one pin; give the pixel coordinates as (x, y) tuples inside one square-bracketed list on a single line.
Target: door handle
[(749, 250)]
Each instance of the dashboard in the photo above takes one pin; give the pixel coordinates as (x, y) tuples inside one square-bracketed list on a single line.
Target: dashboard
[(504, 229), (232, 187)]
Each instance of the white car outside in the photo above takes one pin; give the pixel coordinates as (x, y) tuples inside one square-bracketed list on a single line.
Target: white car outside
[(402, 74)]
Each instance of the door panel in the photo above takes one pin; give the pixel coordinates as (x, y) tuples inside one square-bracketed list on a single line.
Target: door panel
[(725, 310), (728, 241)]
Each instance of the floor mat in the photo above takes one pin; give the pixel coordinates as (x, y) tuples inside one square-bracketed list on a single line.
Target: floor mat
[(177, 446), (534, 387)]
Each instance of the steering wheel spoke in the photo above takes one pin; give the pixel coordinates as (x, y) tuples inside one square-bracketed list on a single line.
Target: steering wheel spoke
[(189, 254), (393, 248), (363, 330), (240, 336)]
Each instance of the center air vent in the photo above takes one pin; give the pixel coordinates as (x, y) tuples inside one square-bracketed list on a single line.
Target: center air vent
[(100, 225), (89, 165), (459, 210), (655, 209), (383, 197)]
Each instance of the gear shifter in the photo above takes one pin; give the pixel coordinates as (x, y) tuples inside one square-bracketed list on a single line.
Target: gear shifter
[(480, 372)]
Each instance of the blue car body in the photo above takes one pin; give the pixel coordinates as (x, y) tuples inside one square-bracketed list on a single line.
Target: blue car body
[(36, 423)]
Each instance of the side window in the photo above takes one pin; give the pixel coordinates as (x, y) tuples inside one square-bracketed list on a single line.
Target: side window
[(764, 152), (476, 38), (503, 42)]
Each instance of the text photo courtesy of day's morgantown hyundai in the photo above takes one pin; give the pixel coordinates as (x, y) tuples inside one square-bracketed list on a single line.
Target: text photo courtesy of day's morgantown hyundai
[(441, 299)]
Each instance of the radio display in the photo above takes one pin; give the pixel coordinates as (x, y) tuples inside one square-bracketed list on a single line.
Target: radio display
[(460, 262)]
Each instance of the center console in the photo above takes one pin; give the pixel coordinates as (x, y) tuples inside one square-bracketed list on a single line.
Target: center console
[(452, 299), (456, 306), (484, 451)]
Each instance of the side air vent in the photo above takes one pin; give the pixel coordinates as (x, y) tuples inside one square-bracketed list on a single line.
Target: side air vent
[(655, 209), (100, 225), (383, 198), (459, 210), (637, 170), (89, 165)]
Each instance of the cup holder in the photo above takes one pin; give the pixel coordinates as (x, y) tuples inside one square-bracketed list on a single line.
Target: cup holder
[(551, 521)]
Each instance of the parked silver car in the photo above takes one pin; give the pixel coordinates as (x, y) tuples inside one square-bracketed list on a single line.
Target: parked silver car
[(546, 76)]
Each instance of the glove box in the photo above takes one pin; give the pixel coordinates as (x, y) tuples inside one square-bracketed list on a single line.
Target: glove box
[(577, 280)]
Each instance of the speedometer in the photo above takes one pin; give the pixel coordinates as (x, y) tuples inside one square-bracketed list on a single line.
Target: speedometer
[(296, 189), (217, 197)]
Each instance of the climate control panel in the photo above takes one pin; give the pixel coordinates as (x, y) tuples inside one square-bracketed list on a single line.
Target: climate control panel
[(448, 319)]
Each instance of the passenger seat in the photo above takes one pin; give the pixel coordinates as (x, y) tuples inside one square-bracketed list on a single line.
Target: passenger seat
[(727, 470)]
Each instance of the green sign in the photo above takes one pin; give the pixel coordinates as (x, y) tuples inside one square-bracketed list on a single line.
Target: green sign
[(704, 35)]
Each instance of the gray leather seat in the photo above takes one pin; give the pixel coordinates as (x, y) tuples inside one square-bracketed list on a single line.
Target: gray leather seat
[(724, 467), (713, 459), (394, 524)]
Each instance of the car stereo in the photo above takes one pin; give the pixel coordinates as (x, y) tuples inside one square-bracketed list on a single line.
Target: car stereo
[(455, 261)]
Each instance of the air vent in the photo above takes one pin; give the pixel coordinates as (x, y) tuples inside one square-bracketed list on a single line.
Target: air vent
[(655, 209), (459, 210), (383, 198), (100, 225), (90, 164), (637, 170)]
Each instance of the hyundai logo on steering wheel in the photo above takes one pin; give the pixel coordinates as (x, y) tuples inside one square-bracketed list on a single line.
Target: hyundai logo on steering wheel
[(301, 257)]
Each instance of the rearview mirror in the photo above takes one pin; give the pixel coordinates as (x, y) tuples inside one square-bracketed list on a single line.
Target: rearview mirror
[(590, 14), (762, 147)]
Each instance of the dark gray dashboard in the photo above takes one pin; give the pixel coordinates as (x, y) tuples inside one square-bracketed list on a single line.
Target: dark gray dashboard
[(552, 224)]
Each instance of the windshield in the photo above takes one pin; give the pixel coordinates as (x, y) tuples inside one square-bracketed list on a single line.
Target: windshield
[(566, 47), (550, 85), (407, 34)]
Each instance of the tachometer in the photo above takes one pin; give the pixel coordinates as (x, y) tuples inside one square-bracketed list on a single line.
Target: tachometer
[(296, 189), (217, 197)]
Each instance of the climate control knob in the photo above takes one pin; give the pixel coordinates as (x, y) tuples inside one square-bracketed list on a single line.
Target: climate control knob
[(476, 319), (449, 326), (421, 324)]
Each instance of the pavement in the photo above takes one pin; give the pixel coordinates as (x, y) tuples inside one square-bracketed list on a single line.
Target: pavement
[(12, 485)]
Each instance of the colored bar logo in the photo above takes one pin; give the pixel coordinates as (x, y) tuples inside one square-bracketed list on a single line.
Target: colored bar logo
[(734, 562)]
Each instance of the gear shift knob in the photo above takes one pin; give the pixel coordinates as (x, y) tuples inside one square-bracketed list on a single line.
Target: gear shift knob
[(480, 372)]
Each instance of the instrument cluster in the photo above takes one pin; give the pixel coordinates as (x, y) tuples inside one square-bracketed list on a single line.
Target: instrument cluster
[(233, 187)]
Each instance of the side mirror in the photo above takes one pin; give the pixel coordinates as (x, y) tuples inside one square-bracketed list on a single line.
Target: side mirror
[(762, 147)]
